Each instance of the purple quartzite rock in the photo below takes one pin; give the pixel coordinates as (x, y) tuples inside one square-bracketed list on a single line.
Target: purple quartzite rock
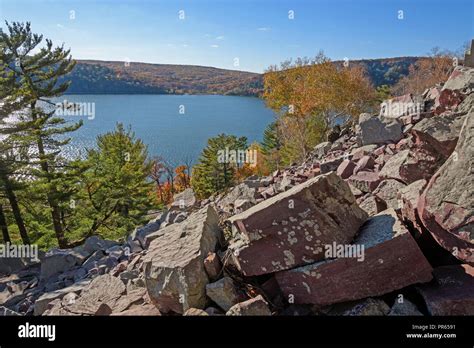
[(391, 260), (291, 228)]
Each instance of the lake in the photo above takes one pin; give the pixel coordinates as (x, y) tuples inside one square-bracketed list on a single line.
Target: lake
[(175, 127)]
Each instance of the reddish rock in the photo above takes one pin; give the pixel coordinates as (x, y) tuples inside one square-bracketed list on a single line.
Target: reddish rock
[(388, 190), (452, 291), (289, 229), (213, 265), (365, 181), (365, 163), (345, 169), (448, 100), (419, 162), (446, 207), (392, 260)]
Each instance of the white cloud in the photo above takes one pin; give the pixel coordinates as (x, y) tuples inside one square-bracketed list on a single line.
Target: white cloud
[(214, 46), (220, 37)]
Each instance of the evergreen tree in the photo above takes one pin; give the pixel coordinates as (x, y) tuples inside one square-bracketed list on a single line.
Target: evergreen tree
[(12, 103), (271, 145), (116, 193), (38, 75), (213, 174)]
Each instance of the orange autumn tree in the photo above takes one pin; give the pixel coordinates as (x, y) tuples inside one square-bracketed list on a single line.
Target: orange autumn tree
[(309, 95), (426, 72), (168, 180)]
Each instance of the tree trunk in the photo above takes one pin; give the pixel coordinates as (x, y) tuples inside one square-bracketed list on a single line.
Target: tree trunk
[(4, 227), (55, 211), (16, 211)]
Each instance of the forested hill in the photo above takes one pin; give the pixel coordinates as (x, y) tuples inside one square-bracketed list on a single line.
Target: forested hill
[(97, 77), (101, 77)]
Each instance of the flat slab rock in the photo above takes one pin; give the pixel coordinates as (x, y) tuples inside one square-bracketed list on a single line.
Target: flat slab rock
[(392, 260), (174, 271), (446, 207), (291, 228), (452, 292)]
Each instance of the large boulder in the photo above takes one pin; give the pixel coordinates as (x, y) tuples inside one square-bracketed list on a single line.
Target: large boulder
[(390, 260), (446, 207), (174, 271), (462, 79), (290, 229), (419, 162), (444, 128), (184, 200), (223, 293), (451, 292), (378, 129)]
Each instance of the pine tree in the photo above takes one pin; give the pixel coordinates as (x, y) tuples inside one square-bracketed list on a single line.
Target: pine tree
[(12, 102), (116, 191), (38, 74), (211, 174), (271, 145)]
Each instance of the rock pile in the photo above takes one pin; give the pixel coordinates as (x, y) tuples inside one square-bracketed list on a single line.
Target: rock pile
[(378, 222)]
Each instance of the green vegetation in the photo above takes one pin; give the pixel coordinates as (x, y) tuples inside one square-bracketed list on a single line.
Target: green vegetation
[(95, 77), (45, 198), (309, 97), (212, 174)]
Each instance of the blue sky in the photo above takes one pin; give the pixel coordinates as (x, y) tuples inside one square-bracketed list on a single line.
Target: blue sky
[(257, 32)]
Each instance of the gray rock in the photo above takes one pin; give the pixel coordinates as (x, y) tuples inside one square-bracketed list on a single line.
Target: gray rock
[(42, 303), (370, 306), (95, 243), (241, 191), (404, 308), (223, 293), (5, 312), (378, 129), (388, 191), (140, 233), (174, 271), (322, 149), (184, 200), (444, 128), (462, 78), (58, 262)]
